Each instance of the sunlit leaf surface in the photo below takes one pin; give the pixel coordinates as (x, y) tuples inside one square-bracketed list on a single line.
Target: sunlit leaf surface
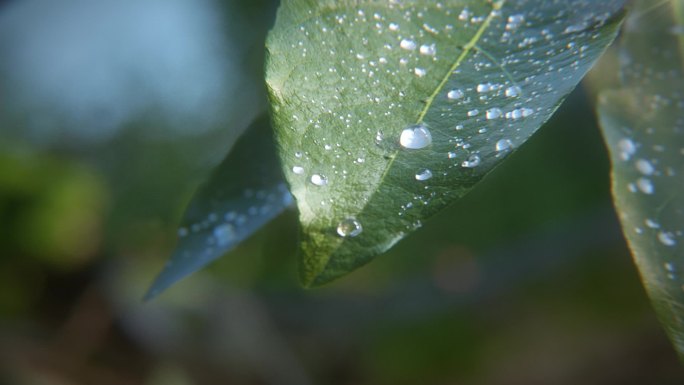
[(386, 112), (643, 123), (244, 193)]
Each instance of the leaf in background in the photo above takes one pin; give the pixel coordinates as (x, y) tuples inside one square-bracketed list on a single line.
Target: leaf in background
[(244, 193), (386, 112), (643, 124)]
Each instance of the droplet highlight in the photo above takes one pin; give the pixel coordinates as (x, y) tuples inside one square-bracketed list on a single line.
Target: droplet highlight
[(349, 227), (415, 137)]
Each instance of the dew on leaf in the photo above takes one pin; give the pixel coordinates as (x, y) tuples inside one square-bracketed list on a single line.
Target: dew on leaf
[(298, 170), (512, 91), (407, 44), (426, 49), (645, 167), (503, 145), (493, 113), (423, 174), (319, 179), (472, 161), (627, 148), (651, 223), (667, 238), (455, 94), (349, 227), (645, 185), (224, 234), (415, 137)]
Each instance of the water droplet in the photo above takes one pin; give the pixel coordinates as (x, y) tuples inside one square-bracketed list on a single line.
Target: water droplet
[(667, 238), (349, 227), (645, 167), (423, 174), (407, 44), (472, 161), (503, 145), (224, 234), (327, 147), (428, 49), (455, 94), (298, 170), (420, 72), (526, 112), (627, 148), (579, 27), (298, 154), (645, 185), (379, 137), (472, 113), (394, 27), (652, 224), (483, 88), (319, 179), (512, 91), (493, 113), (415, 137), (451, 155), (669, 266)]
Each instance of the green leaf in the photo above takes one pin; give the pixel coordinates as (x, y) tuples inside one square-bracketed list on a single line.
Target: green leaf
[(244, 193), (386, 112), (643, 124)]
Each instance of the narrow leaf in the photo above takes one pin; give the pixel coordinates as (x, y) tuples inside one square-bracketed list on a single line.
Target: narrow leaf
[(387, 111), (244, 193), (643, 124)]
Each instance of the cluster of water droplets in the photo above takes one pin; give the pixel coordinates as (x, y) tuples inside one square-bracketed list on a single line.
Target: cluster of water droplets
[(497, 94), (229, 224)]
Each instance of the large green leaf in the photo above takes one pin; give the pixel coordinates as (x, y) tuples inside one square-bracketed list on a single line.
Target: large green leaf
[(643, 123), (244, 193), (387, 111)]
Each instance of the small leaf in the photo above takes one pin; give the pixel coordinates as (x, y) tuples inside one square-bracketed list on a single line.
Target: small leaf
[(244, 193), (643, 124), (386, 112)]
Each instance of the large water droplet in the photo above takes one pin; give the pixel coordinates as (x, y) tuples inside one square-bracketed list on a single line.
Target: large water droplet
[(645, 185), (627, 148), (455, 94), (428, 49), (493, 113), (666, 238), (472, 161), (319, 179), (415, 137), (349, 227), (423, 174), (512, 91), (645, 167), (407, 44), (503, 145)]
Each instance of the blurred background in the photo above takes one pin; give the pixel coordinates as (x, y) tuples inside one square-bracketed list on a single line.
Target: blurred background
[(111, 114)]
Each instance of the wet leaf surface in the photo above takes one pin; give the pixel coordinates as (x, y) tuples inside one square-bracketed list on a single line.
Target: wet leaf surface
[(386, 112)]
